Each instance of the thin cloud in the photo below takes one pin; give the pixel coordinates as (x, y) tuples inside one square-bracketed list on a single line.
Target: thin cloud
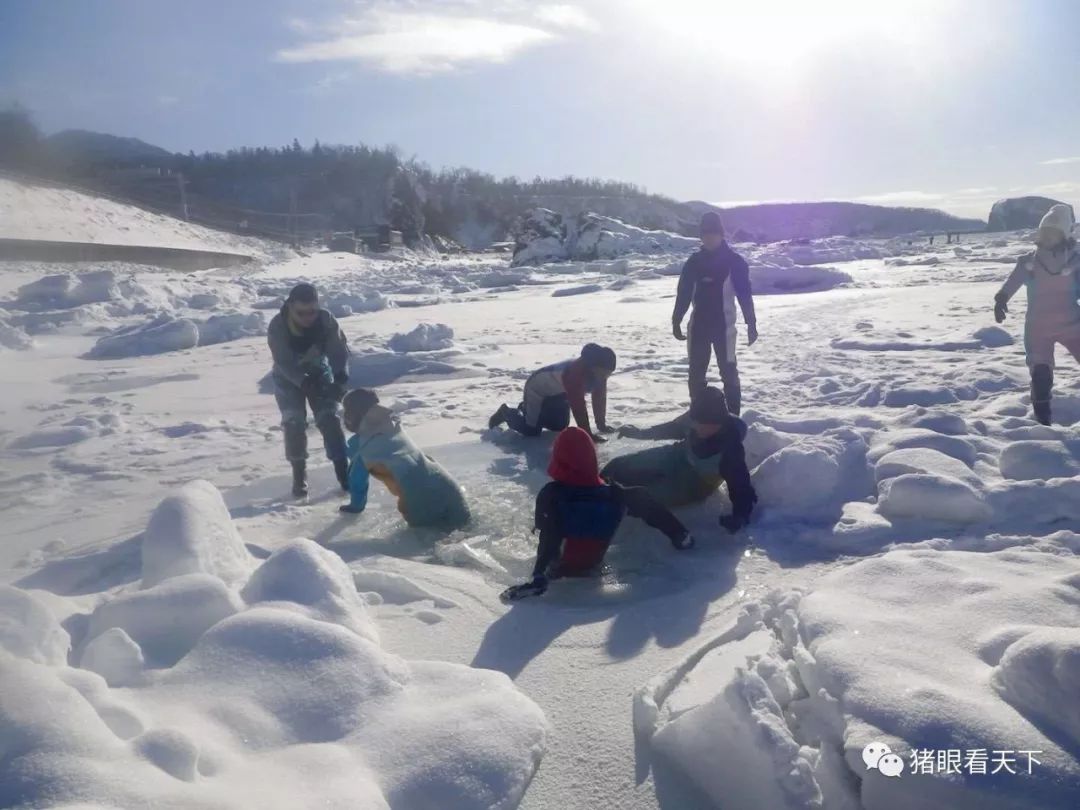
[(427, 39), (1060, 161)]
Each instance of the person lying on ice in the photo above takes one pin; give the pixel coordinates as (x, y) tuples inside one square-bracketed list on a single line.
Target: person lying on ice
[(709, 450), (1052, 276), (556, 391), (427, 496), (310, 356), (578, 513)]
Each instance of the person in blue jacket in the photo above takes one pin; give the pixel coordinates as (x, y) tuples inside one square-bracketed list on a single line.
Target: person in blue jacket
[(709, 452), (427, 495)]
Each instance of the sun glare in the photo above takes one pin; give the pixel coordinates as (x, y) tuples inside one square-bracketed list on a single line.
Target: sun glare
[(780, 34)]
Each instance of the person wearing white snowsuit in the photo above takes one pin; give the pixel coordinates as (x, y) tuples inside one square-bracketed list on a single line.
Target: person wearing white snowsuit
[(1051, 274)]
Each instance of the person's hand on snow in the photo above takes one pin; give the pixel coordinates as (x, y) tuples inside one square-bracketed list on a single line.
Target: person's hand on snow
[(517, 592), (751, 334), (684, 543), (1001, 308), (676, 330)]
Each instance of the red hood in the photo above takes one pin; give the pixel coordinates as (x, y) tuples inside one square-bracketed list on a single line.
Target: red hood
[(573, 459)]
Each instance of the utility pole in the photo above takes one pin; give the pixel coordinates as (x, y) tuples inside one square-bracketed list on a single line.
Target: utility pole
[(183, 195)]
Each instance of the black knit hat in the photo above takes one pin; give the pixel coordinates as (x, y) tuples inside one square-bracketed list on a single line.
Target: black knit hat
[(709, 407), (596, 356), (303, 293), (711, 223)]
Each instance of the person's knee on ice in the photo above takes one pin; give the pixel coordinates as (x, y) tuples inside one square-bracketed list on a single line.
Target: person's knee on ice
[(427, 495), (578, 514)]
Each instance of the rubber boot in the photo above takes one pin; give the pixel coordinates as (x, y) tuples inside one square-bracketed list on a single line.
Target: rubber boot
[(341, 470), (299, 479), (1042, 384)]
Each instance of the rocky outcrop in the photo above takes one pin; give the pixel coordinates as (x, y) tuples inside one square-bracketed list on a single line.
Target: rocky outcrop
[(1018, 213)]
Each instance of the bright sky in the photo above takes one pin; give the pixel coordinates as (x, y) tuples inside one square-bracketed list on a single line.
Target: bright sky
[(940, 103)]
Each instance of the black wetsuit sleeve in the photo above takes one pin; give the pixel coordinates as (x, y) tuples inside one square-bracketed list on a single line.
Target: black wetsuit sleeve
[(685, 295), (740, 281), (547, 523), (640, 504), (736, 475), (675, 429)]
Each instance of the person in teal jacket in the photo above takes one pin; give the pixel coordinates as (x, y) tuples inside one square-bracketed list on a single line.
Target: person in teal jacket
[(427, 496)]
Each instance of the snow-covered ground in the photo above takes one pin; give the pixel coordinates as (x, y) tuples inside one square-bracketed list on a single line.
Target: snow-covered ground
[(911, 579)]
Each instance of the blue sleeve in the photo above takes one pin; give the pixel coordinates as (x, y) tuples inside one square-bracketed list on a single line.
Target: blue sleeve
[(358, 475)]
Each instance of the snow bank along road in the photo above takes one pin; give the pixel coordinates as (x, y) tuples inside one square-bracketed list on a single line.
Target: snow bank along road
[(910, 580)]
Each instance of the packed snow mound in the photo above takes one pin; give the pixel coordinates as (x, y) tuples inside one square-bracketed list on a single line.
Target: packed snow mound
[(58, 214), (307, 574), (279, 698), (1039, 674), (921, 460), (542, 236), (382, 368), (29, 629), (814, 476), (166, 620), (1019, 213), (230, 326), (932, 497), (1040, 460), (164, 333), (426, 337), (13, 337), (981, 656), (191, 532)]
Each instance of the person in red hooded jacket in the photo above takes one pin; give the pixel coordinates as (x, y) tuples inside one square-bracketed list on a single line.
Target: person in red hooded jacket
[(578, 513)]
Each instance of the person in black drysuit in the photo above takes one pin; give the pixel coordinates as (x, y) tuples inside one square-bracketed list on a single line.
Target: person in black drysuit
[(712, 279), (311, 358)]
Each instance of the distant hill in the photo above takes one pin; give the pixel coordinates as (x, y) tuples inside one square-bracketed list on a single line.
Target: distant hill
[(357, 187), (97, 148), (773, 222)]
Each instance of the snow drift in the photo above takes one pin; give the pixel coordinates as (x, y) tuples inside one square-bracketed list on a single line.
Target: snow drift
[(260, 690)]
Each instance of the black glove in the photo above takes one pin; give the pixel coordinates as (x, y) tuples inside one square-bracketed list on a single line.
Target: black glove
[(676, 330), (734, 523), (629, 432), (1001, 308), (518, 592), (607, 429), (751, 334)]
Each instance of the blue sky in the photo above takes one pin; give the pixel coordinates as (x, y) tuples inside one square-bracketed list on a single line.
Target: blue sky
[(942, 103)]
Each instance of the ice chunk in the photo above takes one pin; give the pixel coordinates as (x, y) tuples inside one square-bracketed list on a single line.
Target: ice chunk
[(994, 337), (236, 325), (28, 628), (192, 532), (923, 460), (162, 334), (426, 337), (1039, 674)]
